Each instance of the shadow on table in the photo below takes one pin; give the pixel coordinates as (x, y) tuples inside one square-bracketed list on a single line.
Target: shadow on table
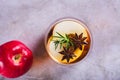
[(39, 52), (43, 67)]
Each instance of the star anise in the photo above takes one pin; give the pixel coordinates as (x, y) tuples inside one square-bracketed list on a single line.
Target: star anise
[(78, 40), (68, 53)]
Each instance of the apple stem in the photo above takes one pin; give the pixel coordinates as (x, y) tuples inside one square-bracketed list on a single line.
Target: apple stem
[(17, 56)]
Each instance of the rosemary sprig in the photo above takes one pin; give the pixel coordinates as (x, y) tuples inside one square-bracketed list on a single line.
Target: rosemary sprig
[(64, 41)]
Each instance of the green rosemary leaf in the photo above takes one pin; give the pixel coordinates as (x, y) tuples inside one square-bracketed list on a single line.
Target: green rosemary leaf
[(56, 41), (56, 44), (71, 43), (60, 45), (63, 41), (66, 36), (56, 36), (67, 45), (60, 34)]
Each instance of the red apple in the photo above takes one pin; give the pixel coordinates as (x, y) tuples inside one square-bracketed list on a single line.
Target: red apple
[(15, 59)]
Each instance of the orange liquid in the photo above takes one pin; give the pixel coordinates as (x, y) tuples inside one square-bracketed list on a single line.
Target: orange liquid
[(67, 27)]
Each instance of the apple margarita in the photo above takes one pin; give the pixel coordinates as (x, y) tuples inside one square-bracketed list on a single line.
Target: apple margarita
[(68, 41)]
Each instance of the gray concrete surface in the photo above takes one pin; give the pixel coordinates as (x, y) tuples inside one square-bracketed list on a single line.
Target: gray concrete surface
[(28, 21)]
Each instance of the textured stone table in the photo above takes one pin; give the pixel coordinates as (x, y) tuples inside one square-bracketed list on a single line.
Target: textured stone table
[(28, 20)]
